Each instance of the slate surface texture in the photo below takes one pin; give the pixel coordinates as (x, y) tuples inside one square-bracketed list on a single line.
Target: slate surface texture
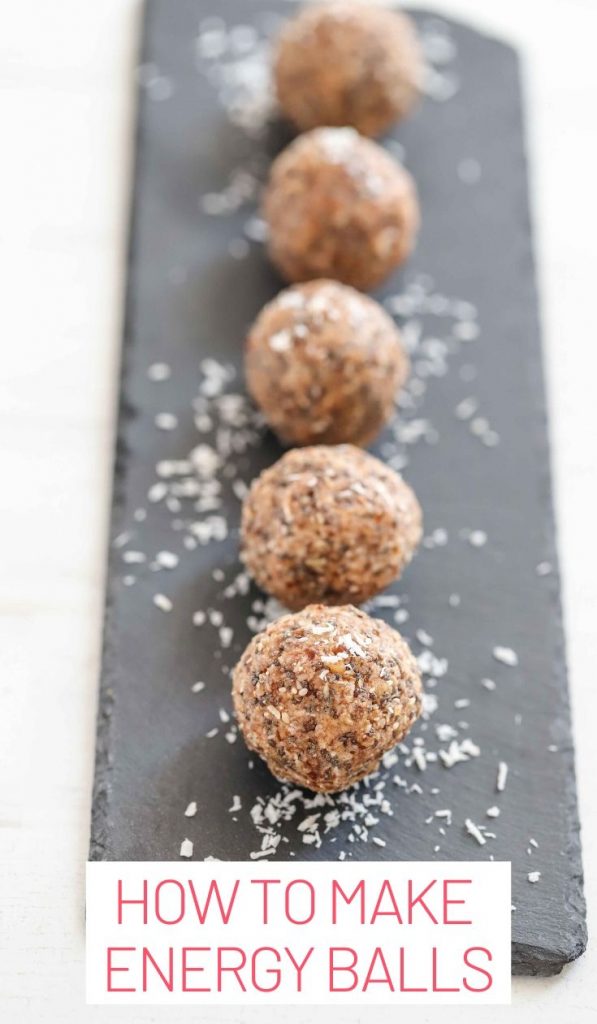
[(195, 282)]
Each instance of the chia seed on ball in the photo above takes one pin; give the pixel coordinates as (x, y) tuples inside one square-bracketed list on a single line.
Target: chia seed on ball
[(324, 364), (348, 64), (321, 695), (337, 205), (329, 524)]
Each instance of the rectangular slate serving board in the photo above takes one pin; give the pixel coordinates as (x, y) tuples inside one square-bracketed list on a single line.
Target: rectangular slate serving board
[(197, 276)]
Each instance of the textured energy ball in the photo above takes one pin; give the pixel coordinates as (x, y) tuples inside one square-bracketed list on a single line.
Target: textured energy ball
[(324, 363), (337, 205), (329, 524), (348, 64), (323, 694)]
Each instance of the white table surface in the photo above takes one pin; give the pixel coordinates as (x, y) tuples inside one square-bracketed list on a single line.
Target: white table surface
[(66, 116)]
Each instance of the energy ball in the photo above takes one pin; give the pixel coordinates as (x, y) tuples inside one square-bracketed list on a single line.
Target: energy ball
[(324, 363), (348, 64), (323, 694), (337, 205), (328, 524)]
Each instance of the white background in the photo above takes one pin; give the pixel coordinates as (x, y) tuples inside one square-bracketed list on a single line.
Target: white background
[(66, 117)]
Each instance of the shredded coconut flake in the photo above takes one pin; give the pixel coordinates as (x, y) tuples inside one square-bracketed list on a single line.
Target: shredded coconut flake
[(158, 372), (475, 832), (506, 656), (502, 775)]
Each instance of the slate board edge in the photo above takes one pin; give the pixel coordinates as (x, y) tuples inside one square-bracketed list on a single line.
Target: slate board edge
[(574, 941), (526, 959), (99, 841)]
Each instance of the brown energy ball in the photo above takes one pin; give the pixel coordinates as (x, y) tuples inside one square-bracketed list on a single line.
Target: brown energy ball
[(329, 524), (348, 64), (323, 694), (324, 364), (337, 205)]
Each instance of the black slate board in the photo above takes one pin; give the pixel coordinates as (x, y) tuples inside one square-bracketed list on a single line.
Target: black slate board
[(189, 298)]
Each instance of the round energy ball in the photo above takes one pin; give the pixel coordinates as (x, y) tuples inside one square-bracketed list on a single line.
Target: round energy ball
[(348, 64), (337, 205), (324, 363), (323, 694), (329, 524)]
